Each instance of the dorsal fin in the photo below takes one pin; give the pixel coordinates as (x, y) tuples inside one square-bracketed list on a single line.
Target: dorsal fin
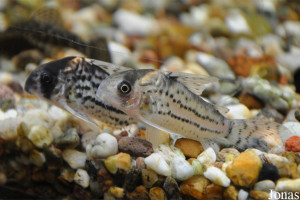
[(194, 82), (107, 67)]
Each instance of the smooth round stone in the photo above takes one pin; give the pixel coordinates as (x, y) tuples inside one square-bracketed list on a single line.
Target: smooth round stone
[(74, 158), (265, 185), (82, 178), (217, 176), (243, 195), (105, 145)]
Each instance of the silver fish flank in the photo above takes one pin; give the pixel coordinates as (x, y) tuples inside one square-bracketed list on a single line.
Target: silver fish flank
[(71, 83), (170, 102)]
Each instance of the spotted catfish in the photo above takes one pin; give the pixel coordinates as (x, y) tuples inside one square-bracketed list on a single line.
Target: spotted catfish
[(71, 83), (171, 102)]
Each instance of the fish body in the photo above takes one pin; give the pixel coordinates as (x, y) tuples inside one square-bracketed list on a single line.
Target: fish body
[(71, 83), (170, 102)]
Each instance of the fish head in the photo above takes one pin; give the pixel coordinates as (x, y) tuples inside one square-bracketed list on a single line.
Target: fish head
[(123, 91), (45, 81)]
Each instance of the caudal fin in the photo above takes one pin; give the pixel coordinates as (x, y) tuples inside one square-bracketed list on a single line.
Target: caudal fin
[(263, 135)]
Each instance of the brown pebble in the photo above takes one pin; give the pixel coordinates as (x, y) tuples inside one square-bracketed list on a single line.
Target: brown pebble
[(250, 101), (140, 193), (135, 146), (104, 179), (214, 191), (171, 188), (190, 148), (149, 178), (157, 193), (261, 195), (231, 193)]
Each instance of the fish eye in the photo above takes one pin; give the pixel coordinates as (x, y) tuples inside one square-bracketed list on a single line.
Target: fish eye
[(45, 78), (124, 87)]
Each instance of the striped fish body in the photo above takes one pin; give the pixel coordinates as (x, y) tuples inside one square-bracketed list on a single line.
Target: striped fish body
[(164, 100), (71, 83)]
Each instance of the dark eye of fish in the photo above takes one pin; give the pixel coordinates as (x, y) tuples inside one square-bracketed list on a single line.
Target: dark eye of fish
[(124, 87), (46, 79)]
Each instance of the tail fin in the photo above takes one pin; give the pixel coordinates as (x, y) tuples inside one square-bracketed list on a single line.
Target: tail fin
[(263, 135)]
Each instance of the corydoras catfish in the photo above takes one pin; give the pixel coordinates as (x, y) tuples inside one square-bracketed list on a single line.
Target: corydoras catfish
[(170, 101), (71, 83)]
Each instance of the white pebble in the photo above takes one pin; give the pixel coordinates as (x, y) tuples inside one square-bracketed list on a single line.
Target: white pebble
[(243, 195), (8, 129), (207, 156), (156, 162), (217, 176), (82, 178), (181, 169), (288, 185), (104, 146), (134, 24), (294, 127), (74, 158), (40, 136), (236, 23), (238, 111), (169, 152), (265, 185)]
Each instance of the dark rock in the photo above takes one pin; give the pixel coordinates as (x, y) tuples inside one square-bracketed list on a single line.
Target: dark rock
[(132, 179), (104, 179), (91, 169), (139, 193), (171, 188), (81, 193), (268, 171), (135, 146)]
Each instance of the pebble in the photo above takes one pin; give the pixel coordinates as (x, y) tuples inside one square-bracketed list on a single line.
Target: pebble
[(226, 153), (121, 161), (74, 158), (7, 99), (67, 174), (168, 152), (238, 111), (105, 145), (135, 146), (244, 169), (190, 148), (104, 179), (139, 163), (157, 193), (259, 195), (157, 163), (37, 158), (217, 176), (268, 172), (293, 144), (70, 139), (170, 186), (117, 192), (288, 185), (40, 136), (134, 24), (231, 193), (207, 156), (215, 66), (280, 162), (132, 179), (140, 193), (181, 169), (265, 185), (236, 23), (243, 195), (195, 187), (149, 178), (82, 178), (198, 167)]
